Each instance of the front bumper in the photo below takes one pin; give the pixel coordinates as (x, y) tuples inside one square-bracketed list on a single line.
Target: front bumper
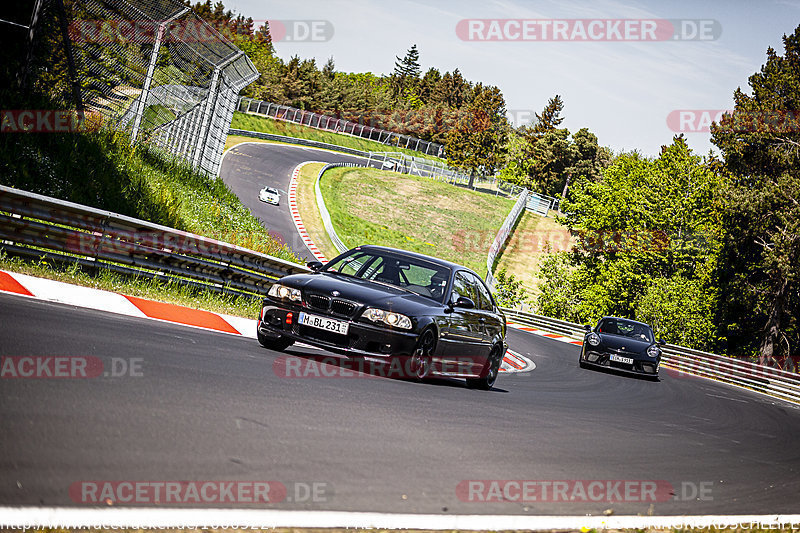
[(640, 366), (361, 339)]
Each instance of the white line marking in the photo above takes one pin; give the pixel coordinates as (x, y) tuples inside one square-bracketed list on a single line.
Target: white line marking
[(69, 517)]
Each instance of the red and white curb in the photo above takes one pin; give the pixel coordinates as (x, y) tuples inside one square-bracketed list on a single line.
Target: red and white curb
[(111, 302), (542, 333), (295, 212), (87, 297)]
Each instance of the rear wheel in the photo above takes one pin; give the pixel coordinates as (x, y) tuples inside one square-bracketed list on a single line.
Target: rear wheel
[(487, 381), (422, 360), (277, 343)]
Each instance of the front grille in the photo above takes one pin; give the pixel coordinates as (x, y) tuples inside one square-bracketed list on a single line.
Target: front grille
[(328, 305), (317, 301), (342, 307)]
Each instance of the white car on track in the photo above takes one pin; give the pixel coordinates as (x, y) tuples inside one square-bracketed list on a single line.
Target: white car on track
[(269, 195)]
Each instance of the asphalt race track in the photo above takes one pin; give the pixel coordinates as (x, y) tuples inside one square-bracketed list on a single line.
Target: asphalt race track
[(206, 406), (248, 168), (210, 406)]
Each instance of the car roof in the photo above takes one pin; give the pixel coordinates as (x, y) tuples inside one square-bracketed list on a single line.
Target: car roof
[(415, 255), (626, 320)]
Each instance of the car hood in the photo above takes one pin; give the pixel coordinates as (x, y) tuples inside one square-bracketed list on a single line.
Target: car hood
[(363, 291), (617, 342)]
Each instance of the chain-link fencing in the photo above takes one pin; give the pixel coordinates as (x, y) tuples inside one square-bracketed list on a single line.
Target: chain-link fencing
[(152, 68), (338, 125)]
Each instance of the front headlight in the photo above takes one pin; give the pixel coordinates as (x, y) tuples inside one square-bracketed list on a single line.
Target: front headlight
[(285, 293), (593, 338), (653, 351), (387, 317)]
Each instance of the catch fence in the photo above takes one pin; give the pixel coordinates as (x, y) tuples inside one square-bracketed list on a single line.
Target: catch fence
[(152, 68)]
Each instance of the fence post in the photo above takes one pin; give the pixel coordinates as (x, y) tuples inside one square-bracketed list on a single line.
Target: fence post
[(151, 68)]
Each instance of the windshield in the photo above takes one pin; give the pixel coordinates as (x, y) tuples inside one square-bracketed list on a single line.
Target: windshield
[(417, 275), (626, 328)]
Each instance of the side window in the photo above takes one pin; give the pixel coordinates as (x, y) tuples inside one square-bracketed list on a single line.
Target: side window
[(485, 303), (462, 287)]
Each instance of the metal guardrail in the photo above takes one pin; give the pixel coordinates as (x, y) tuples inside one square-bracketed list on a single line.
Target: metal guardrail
[(323, 210), (502, 235), (764, 379), (295, 140), (33, 225)]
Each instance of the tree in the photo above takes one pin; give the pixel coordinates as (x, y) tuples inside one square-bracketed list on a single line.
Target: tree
[(648, 241), (760, 143), (550, 118), (508, 290), (406, 74), (477, 142)]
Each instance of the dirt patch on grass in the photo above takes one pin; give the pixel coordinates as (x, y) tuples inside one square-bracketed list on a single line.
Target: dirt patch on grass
[(533, 237)]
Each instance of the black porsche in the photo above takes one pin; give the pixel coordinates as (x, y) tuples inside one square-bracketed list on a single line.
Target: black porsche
[(621, 344), (437, 317)]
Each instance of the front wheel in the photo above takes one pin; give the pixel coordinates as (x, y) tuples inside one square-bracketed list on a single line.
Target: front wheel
[(278, 343), (422, 360), (487, 382)]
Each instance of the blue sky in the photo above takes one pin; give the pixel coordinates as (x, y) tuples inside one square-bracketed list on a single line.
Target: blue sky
[(621, 91)]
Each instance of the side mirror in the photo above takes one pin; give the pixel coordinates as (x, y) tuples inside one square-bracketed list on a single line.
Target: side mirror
[(587, 327), (662, 342), (465, 303), (314, 265)]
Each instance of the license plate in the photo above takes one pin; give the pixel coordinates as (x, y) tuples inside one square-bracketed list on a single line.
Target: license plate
[(321, 322), (620, 359)]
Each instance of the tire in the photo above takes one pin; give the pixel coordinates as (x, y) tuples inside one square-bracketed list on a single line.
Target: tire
[(279, 344), (487, 382), (582, 364), (422, 359)]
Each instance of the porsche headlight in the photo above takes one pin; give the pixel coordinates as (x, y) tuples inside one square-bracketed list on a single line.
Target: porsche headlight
[(653, 351), (593, 339), (285, 293), (387, 317)]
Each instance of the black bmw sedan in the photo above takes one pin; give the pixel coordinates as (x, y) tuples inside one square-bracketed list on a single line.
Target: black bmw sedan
[(436, 317), (621, 344)]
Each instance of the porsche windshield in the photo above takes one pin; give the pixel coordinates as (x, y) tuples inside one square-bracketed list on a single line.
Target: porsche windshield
[(416, 275), (626, 328)]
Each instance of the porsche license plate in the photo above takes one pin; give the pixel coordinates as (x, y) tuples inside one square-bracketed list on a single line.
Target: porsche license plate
[(321, 322), (620, 359)]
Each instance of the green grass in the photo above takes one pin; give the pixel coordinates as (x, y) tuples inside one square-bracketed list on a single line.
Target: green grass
[(532, 238), (103, 170), (243, 121), (309, 213), (370, 206), (153, 289)]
